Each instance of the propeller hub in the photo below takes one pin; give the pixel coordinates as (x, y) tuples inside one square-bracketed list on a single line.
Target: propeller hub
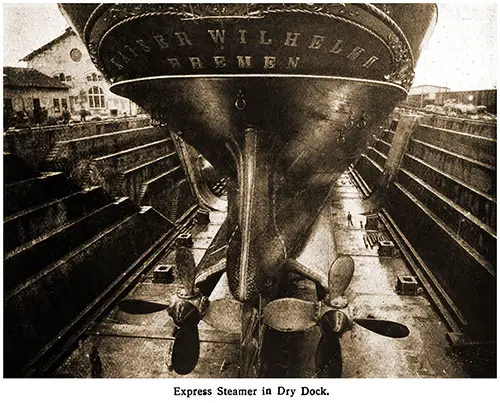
[(336, 321), (185, 314), (187, 310)]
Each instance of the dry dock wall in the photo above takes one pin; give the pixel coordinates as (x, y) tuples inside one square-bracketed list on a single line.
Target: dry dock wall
[(71, 232), (63, 247), (443, 199), (126, 157)]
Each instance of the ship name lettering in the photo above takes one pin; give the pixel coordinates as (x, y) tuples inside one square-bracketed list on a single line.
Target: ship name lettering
[(263, 40), (316, 42), (244, 62), (167, 42), (218, 36), (196, 63), (174, 63), (291, 39)]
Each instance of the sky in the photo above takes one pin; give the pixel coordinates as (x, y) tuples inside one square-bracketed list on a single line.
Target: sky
[(461, 54)]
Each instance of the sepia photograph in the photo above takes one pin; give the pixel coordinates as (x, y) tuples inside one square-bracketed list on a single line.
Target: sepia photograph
[(249, 190)]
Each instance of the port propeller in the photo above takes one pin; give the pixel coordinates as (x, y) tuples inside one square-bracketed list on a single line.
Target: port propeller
[(186, 309)]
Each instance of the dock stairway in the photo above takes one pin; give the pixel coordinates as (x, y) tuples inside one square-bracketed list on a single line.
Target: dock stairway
[(64, 247), (140, 163)]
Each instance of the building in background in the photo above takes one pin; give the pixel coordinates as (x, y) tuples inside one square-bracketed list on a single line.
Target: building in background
[(423, 95), (32, 95), (487, 98), (66, 59)]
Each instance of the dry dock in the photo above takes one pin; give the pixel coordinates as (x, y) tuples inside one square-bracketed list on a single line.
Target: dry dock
[(138, 345)]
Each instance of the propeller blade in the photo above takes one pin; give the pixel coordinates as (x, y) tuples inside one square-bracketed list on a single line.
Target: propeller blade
[(186, 267), (138, 307), (340, 275), (384, 327), (290, 314), (329, 356), (186, 349), (225, 315)]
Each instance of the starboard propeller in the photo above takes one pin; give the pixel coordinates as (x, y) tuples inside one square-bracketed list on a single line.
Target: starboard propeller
[(328, 352), (294, 315)]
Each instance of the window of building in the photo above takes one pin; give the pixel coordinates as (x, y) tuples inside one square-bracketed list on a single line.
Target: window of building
[(57, 106), (62, 77), (64, 103), (94, 77), (96, 98)]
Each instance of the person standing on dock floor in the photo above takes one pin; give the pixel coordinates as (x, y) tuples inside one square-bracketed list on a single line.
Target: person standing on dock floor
[(349, 219)]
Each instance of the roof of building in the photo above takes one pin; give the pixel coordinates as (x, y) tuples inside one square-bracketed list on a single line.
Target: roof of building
[(24, 77), (68, 32), (427, 89), (429, 85)]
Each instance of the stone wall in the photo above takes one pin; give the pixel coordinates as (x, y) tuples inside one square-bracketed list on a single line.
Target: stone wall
[(34, 145), (443, 199)]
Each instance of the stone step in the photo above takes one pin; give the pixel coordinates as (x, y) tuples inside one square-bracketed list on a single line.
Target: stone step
[(369, 170), (383, 146), (32, 192), (387, 136), (165, 180), (86, 129), (28, 259), (127, 159), (359, 181), (41, 308), (376, 156), (34, 222), (481, 149), (68, 153), (478, 175), (478, 235), (16, 169), (478, 128), (134, 178), (36, 144), (170, 195), (480, 204)]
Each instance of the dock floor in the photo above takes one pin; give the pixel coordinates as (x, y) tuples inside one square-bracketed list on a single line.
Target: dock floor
[(126, 345), (425, 353)]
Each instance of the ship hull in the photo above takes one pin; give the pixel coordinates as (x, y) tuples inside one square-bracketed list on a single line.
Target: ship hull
[(280, 98), (282, 141)]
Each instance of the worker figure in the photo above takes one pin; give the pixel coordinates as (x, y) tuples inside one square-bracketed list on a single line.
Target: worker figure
[(66, 116), (349, 219)]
